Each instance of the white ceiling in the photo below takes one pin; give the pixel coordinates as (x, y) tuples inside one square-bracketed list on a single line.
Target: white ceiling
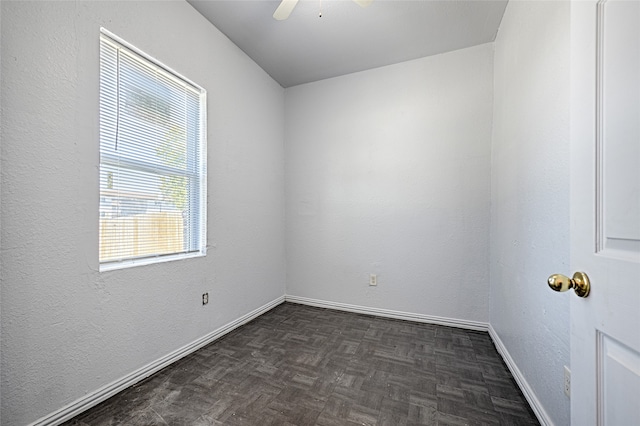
[(348, 38)]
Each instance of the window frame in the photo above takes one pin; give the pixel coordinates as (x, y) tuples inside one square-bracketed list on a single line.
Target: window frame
[(199, 229)]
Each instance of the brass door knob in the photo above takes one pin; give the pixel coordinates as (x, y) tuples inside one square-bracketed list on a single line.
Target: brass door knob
[(579, 283)]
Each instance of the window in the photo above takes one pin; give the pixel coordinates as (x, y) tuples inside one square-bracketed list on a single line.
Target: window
[(152, 160)]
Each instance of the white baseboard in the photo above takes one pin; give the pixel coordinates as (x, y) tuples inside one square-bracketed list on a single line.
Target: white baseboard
[(80, 405), (107, 391), (430, 319), (535, 404)]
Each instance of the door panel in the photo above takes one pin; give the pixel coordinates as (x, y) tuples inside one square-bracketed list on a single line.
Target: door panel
[(618, 382), (605, 211), (618, 56)]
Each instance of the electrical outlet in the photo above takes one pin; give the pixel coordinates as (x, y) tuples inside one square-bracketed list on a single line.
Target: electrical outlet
[(205, 298), (567, 381), (373, 279)]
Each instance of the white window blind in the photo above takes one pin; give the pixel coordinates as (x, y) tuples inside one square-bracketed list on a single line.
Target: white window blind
[(152, 160)]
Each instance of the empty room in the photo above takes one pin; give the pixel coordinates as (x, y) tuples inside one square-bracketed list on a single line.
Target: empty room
[(317, 212)]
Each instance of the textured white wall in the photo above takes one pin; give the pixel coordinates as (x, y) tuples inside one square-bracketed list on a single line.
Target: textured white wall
[(66, 328), (1, 261), (530, 195), (387, 172)]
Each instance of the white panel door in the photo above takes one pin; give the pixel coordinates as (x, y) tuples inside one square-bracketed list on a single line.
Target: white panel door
[(605, 211)]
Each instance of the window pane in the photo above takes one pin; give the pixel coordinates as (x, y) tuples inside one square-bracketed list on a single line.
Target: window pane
[(151, 159)]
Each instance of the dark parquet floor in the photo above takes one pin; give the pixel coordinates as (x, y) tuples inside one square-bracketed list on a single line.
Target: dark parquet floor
[(300, 365)]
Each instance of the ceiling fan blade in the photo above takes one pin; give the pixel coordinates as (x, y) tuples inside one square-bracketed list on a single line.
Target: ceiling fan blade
[(363, 3), (284, 10)]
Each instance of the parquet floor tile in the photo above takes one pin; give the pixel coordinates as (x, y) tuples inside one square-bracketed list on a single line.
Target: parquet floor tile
[(300, 365)]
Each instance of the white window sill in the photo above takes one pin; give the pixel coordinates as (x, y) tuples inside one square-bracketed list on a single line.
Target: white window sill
[(112, 266)]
